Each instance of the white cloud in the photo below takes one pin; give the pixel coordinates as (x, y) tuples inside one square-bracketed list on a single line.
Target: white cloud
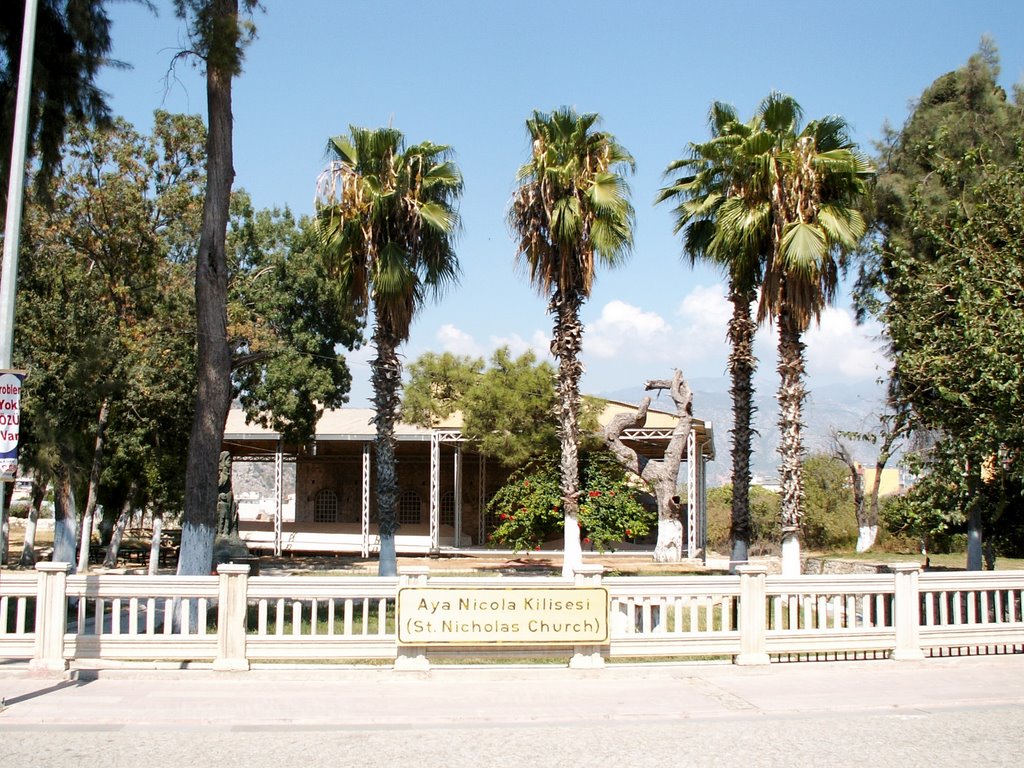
[(624, 330), (538, 343), (458, 342), (839, 348)]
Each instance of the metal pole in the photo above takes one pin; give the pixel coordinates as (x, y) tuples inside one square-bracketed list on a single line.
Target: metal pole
[(12, 225), (16, 187)]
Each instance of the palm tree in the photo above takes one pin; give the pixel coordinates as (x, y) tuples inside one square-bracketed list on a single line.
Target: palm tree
[(570, 211), (811, 181), (720, 226), (387, 219)]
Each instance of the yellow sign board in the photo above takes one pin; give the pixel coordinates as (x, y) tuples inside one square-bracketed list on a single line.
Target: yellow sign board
[(508, 615)]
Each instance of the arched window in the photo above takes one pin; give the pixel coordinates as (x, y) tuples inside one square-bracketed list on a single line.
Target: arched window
[(325, 507), (409, 506), (447, 509)]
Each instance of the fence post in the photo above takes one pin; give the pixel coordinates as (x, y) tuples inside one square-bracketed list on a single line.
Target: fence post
[(587, 656), (753, 615), (411, 657), (51, 618), (232, 605), (906, 612)]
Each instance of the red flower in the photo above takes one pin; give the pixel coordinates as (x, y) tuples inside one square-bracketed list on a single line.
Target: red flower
[(586, 539), (537, 548), (526, 483), (629, 532), (594, 494)]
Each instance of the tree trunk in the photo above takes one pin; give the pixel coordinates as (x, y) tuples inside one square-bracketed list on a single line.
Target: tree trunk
[(154, 542), (566, 342), (387, 381), (28, 551), (791, 398), (213, 393), (660, 475), (94, 484), (669, 547), (65, 518), (742, 363), (110, 561)]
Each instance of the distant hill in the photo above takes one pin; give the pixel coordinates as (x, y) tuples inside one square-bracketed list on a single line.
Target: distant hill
[(850, 406)]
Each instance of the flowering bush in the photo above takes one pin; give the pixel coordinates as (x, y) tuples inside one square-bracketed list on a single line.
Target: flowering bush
[(528, 509)]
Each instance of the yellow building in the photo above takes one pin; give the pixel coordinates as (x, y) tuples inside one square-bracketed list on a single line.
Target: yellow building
[(889, 485)]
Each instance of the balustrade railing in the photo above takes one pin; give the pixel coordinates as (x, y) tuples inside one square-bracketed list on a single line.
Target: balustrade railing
[(230, 620)]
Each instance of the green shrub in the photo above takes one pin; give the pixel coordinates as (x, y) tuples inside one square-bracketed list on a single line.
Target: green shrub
[(19, 509), (765, 521), (528, 508), (829, 521)]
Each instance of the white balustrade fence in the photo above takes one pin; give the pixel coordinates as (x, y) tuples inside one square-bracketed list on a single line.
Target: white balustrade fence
[(51, 618)]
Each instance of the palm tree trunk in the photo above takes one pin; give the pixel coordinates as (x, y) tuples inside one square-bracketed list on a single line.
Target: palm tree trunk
[(213, 393), (791, 399), (566, 343), (387, 382), (742, 363)]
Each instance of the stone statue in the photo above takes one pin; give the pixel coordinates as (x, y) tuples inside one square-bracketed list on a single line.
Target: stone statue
[(227, 511)]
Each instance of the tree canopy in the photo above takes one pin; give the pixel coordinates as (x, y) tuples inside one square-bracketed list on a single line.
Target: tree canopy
[(945, 273)]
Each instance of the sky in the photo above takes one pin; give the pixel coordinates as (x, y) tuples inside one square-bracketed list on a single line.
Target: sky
[(467, 73)]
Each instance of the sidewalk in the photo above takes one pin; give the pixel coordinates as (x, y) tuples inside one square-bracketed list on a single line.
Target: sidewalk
[(334, 697), (933, 714)]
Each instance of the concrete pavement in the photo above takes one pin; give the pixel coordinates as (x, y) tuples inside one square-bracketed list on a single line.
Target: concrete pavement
[(933, 712)]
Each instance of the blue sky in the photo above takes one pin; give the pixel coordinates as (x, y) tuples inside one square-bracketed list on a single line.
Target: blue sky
[(467, 73)]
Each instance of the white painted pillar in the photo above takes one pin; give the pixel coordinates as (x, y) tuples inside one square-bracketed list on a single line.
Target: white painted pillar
[(365, 506), (231, 607), (278, 495), (435, 490), (691, 494), (753, 616), (906, 612), (413, 658), (51, 619), (587, 656), (457, 521)]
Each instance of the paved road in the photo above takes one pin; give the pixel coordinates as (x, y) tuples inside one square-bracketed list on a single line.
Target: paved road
[(933, 713)]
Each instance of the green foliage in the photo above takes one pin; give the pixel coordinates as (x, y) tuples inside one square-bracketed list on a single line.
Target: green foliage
[(948, 278), (507, 407), (72, 43), (829, 521), (387, 218), (528, 507), (572, 206), (765, 521), (437, 386), (286, 319)]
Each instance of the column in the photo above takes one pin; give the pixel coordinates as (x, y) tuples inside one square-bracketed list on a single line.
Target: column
[(231, 609), (587, 656), (51, 619), (435, 490), (365, 507), (457, 512), (753, 615), (278, 494), (906, 612)]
